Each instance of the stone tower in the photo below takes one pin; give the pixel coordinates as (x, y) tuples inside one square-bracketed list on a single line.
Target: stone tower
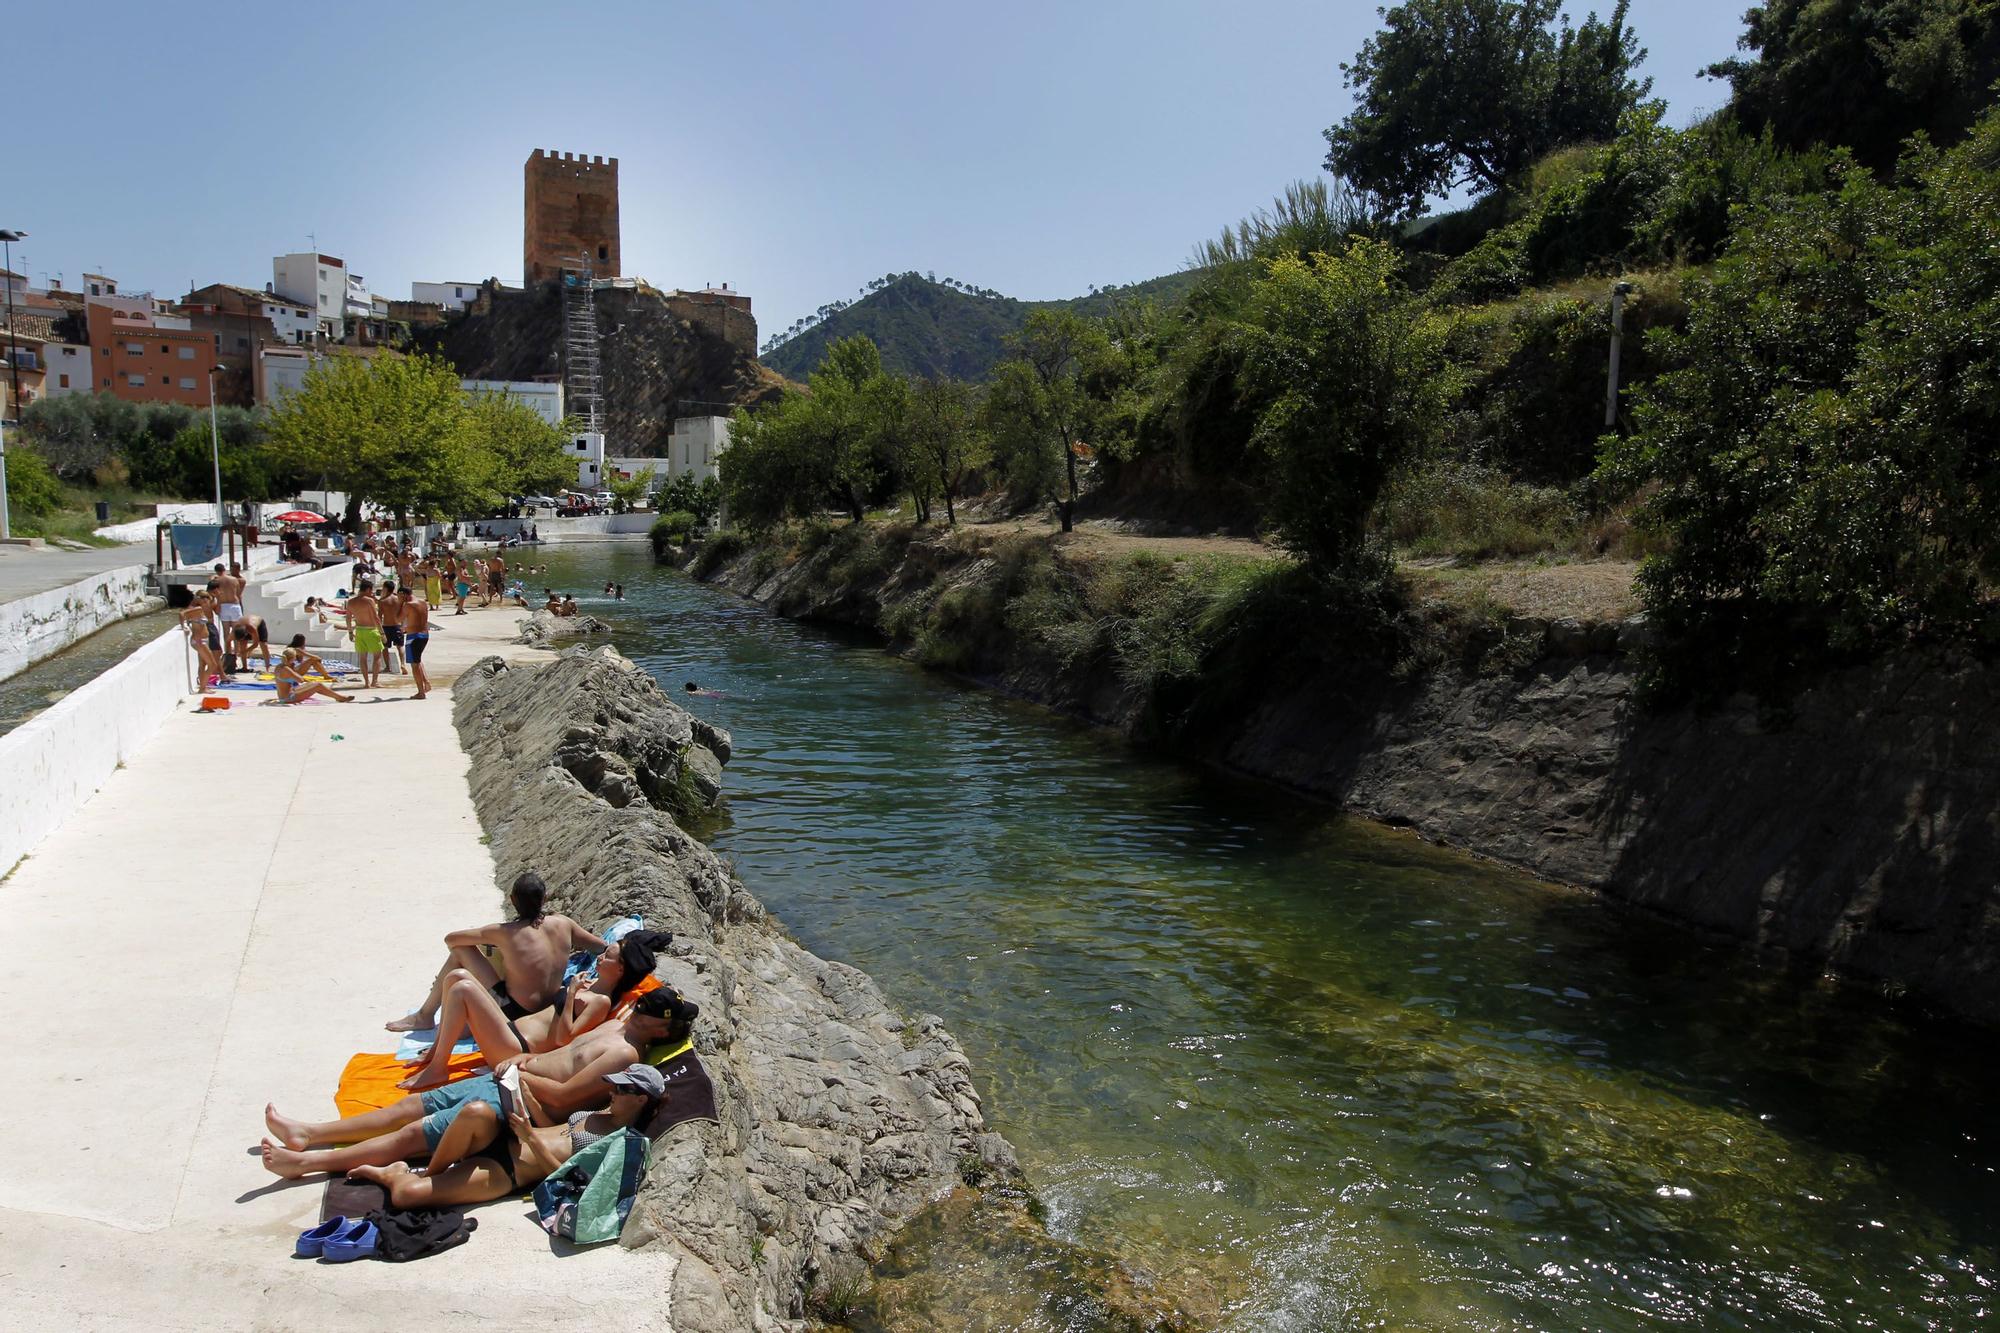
[(572, 210)]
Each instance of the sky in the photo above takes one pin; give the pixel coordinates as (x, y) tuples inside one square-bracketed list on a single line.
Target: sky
[(792, 150)]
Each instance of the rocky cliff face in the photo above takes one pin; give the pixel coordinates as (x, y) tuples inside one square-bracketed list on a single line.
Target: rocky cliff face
[(1861, 834), (657, 366), (839, 1119)]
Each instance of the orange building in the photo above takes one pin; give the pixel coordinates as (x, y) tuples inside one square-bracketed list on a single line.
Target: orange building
[(144, 357)]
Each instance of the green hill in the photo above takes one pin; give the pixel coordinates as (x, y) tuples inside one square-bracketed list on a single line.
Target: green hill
[(927, 328)]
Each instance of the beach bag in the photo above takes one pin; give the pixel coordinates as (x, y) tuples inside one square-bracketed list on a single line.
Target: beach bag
[(588, 1198), (414, 1233)]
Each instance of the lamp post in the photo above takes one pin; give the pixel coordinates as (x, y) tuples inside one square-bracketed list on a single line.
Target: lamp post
[(1618, 294), (7, 239), (215, 444)]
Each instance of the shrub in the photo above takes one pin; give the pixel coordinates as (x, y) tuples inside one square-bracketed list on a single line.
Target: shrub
[(1459, 508), (32, 487), (717, 551), (671, 529)]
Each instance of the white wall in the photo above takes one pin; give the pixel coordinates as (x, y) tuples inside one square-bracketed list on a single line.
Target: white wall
[(589, 527), (36, 626), (546, 399), (450, 295), (696, 444), (71, 359), (54, 762), (298, 276)]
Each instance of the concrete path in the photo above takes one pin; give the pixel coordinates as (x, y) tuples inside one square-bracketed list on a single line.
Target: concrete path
[(27, 570), (233, 915)]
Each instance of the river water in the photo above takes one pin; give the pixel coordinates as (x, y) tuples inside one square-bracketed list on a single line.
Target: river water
[(1324, 1073)]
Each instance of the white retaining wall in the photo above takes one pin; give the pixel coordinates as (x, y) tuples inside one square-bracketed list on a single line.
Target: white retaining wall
[(45, 623), (590, 527), (55, 761)]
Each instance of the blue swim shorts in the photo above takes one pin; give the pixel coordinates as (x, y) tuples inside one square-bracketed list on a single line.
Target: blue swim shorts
[(442, 1105)]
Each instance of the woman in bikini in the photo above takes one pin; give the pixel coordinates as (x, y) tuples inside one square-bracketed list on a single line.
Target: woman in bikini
[(483, 1157), (470, 1008), (293, 687)]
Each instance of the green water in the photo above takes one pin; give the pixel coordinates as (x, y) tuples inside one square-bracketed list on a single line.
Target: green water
[(1329, 1075)]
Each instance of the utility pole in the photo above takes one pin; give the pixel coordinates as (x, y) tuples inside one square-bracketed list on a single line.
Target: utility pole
[(215, 446), (1618, 294), (7, 239)]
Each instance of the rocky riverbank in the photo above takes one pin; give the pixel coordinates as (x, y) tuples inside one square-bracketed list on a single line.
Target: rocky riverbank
[(839, 1119), (1860, 834)]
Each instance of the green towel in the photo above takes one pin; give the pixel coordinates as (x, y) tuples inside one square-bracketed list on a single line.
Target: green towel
[(588, 1198)]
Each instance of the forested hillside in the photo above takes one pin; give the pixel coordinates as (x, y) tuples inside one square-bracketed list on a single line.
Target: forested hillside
[(927, 327)]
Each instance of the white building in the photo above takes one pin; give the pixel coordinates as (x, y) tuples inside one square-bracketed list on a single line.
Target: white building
[(281, 371), (587, 448), (358, 305), (68, 369), (545, 398), (320, 283), (96, 284), (695, 445), (453, 296)]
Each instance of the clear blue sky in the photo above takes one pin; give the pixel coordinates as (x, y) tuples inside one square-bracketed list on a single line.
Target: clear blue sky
[(794, 150)]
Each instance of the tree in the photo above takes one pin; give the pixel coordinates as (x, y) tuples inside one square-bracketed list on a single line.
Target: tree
[(78, 433), (394, 431), (1473, 92), (1039, 409), (626, 492), (1866, 74), (1349, 366), (522, 453), (1823, 457), (945, 437)]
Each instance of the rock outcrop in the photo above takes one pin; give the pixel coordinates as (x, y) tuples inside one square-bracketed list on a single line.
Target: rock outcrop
[(544, 627), (839, 1118), (1862, 833)]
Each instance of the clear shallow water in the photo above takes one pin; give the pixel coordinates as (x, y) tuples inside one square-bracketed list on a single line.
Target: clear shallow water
[(29, 692), (1347, 1079)]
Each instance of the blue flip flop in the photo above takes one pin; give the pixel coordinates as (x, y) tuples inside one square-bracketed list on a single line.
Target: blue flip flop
[(310, 1243), (357, 1240)]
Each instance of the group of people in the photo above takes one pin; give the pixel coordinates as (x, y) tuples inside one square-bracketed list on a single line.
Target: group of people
[(219, 629), (567, 1062)]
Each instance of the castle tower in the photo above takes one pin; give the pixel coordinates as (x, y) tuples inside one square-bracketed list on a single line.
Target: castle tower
[(572, 210)]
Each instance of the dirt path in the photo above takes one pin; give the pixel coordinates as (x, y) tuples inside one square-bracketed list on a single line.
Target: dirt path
[(1584, 589)]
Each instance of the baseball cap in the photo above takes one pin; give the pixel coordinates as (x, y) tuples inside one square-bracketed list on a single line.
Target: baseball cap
[(639, 1078)]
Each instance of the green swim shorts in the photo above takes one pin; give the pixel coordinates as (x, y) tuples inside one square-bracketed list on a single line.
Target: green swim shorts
[(367, 639)]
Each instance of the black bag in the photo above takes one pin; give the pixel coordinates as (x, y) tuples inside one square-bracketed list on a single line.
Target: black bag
[(413, 1233), (229, 664)]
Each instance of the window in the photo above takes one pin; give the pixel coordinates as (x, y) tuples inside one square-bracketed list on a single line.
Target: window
[(603, 252), (187, 353), (65, 381), (135, 349), (165, 380), (135, 381), (165, 348), (186, 382), (322, 275), (241, 341)]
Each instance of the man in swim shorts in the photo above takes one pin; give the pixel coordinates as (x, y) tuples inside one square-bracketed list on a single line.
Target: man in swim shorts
[(393, 598), (366, 613), (416, 638)]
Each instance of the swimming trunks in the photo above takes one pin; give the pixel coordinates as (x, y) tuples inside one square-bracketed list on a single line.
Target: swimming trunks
[(263, 632), (442, 1105), (414, 645), (493, 581), (214, 638), (367, 639), (232, 612), (509, 1006), (393, 635), (463, 587)]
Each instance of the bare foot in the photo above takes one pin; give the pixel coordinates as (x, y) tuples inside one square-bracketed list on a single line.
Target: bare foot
[(385, 1176), (344, 698), (423, 1078), (412, 1022), (290, 1132), (282, 1161)]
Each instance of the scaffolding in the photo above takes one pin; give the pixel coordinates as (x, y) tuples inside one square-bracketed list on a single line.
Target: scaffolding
[(583, 375)]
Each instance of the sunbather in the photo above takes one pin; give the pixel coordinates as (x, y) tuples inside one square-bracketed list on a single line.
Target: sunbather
[(562, 1083), (469, 1007), (293, 687), (532, 947), (484, 1156)]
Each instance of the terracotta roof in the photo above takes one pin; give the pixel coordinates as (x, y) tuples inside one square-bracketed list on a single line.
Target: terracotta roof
[(252, 294), (32, 326)]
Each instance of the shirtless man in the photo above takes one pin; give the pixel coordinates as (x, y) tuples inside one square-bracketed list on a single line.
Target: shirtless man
[(249, 637), (417, 637), (393, 597), (496, 579), (366, 614), (533, 948), (563, 1081), (228, 590)]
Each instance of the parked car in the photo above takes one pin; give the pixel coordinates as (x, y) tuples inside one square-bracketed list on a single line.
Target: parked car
[(541, 502)]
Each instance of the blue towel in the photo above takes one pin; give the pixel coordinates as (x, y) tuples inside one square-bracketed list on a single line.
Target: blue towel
[(197, 543)]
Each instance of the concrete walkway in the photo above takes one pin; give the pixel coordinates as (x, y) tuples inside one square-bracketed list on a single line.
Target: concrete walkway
[(27, 570), (233, 915)]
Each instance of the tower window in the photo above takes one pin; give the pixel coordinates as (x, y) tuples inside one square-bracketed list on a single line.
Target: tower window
[(604, 252)]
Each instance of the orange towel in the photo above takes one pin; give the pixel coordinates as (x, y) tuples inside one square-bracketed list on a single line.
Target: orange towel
[(369, 1081)]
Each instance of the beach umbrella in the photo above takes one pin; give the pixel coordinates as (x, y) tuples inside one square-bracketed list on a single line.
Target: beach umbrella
[(298, 516)]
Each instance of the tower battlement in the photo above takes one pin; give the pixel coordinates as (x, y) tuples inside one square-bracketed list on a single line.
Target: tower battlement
[(571, 205)]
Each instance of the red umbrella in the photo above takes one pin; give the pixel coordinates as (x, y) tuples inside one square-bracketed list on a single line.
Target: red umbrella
[(297, 516)]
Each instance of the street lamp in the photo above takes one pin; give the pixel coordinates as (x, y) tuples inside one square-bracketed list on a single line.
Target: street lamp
[(215, 443), (7, 239), (1619, 292)]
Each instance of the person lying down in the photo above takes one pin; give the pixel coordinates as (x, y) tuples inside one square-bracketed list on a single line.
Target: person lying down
[(481, 1140)]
